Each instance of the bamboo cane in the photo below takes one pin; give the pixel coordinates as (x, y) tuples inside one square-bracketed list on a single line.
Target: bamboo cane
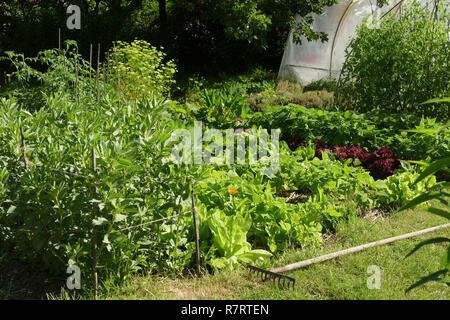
[(94, 230), (98, 73), (24, 149), (329, 256), (104, 79), (137, 94), (59, 41), (76, 75), (196, 233), (118, 75), (65, 69), (107, 69), (90, 63)]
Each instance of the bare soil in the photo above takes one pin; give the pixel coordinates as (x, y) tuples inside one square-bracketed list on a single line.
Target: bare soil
[(21, 281)]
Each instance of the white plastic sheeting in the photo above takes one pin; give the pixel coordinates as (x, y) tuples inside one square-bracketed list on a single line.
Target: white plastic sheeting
[(312, 61)]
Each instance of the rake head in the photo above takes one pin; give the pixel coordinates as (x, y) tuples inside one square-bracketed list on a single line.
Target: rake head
[(269, 275)]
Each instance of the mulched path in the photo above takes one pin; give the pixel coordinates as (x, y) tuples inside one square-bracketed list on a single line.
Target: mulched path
[(21, 281)]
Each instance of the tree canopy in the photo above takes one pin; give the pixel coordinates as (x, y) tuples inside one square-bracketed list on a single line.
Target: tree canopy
[(191, 30)]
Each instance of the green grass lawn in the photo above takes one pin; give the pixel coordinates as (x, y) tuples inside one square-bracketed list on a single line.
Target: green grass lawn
[(341, 278)]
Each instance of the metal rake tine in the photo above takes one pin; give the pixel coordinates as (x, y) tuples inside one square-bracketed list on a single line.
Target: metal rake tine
[(266, 274), (293, 284)]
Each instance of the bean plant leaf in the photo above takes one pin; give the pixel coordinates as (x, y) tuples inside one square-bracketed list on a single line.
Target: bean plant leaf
[(423, 198), (437, 100), (120, 217), (433, 168), (99, 221), (11, 210)]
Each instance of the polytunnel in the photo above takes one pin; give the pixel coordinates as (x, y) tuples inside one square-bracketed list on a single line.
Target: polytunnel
[(313, 60)]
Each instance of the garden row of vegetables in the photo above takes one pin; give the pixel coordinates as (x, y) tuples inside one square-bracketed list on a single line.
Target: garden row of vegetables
[(46, 201)]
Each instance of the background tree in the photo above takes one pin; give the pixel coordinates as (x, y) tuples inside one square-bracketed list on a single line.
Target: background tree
[(195, 32)]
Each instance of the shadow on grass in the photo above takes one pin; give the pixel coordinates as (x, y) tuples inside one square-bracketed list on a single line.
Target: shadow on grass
[(21, 281)]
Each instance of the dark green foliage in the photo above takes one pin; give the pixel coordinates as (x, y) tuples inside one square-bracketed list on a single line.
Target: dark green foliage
[(371, 130), (201, 34), (48, 211), (220, 108), (244, 83), (34, 78)]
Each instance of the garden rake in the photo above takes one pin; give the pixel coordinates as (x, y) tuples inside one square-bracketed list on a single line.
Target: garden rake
[(269, 275), (275, 275)]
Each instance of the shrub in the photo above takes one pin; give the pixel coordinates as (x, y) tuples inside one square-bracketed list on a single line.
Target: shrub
[(322, 84), (288, 92), (399, 64), (140, 63), (220, 108), (254, 80)]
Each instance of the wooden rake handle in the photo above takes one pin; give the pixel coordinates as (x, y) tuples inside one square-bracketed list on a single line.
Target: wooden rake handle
[(329, 256)]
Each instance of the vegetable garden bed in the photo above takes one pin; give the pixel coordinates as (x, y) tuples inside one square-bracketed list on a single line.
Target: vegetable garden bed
[(46, 181)]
